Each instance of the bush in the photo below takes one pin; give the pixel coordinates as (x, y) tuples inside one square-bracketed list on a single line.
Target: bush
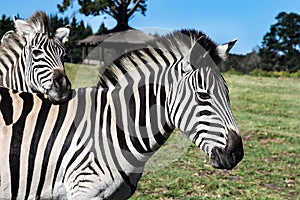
[(277, 74), (233, 71), (260, 72), (295, 74)]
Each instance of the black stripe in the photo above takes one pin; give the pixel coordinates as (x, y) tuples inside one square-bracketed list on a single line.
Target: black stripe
[(8, 56), (59, 121), (6, 107), (143, 106), (149, 53), (65, 148), (161, 53), (137, 145), (112, 150), (159, 138), (104, 122), (204, 112), (131, 107), (40, 124), (125, 150), (214, 140), (110, 142), (127, 181), (74, 157), (16, 53), (207, 137), (16, 141)]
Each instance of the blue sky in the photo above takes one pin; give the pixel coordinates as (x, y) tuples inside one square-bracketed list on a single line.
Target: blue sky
[(221, 20)]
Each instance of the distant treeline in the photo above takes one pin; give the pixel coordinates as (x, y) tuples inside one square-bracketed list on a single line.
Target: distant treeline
[(280, 49)]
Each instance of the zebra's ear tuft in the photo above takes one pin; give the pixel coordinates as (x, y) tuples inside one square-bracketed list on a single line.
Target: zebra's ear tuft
[(24, 29), (62, 33), (224, 49)]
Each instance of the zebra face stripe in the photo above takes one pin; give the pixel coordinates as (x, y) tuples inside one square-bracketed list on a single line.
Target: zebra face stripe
[(46, 67)]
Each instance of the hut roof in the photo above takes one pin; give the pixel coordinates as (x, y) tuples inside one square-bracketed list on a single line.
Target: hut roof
[(131, 36)]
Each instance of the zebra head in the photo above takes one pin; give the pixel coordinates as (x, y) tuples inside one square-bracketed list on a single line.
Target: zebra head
[(201, 106), (43, 56)]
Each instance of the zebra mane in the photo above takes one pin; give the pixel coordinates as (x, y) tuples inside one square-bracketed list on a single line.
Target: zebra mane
[(178, 42), (182, 41), (40, 21)]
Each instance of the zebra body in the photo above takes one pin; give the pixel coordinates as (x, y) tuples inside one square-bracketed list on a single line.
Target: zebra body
[(31, 59), (95, 145)]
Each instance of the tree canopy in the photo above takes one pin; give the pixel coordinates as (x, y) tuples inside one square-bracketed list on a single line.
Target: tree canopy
[(6, 24), (121, 10), (281, 45)]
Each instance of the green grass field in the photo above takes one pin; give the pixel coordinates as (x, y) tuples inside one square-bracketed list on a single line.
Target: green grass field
[(268, 115)]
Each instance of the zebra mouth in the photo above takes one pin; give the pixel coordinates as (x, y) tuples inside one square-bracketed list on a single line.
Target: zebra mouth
[(58, 98), (60, 88), (60, 95), (231, 155)]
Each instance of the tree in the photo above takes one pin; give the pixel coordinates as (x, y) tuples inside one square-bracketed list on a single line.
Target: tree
[(78, 31), (102, 29), (281, 45), (6, 24), (120, 10)]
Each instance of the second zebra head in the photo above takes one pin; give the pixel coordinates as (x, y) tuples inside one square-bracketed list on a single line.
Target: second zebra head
[(43, 57)]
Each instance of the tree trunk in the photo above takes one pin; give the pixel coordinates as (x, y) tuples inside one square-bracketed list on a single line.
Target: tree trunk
[(122, 19)]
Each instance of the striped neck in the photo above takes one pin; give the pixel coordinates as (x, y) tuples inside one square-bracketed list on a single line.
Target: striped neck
[(12, 54)]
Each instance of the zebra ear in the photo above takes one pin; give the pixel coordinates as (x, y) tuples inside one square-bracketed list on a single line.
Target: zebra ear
[(186, 64), (24, 29), (224, 49), (196, 53), (62, 33)]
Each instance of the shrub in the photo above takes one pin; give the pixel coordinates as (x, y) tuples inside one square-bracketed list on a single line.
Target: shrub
[(260, 72), (277, 74)]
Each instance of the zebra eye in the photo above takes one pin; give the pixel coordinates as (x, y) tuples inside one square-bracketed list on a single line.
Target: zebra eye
[(37, 52), (203, 95)]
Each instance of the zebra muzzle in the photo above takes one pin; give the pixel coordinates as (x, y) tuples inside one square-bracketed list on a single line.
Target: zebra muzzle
[(231, 155), (61, 87)]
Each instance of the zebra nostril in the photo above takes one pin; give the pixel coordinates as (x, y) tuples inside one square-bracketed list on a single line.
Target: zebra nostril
[(60, 88)]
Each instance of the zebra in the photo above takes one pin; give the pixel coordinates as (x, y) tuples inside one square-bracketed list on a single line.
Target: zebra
[(31, 59), (95, 145)]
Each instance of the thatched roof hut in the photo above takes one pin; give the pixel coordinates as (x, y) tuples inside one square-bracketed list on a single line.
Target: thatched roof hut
[(116, 43)]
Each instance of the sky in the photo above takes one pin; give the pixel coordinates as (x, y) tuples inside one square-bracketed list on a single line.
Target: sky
[(221, 20)]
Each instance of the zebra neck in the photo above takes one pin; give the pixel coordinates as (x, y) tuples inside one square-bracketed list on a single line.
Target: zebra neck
[(13, 72), (12, 59), (141, 117), (21, 72), (137, 112), (139, 87)]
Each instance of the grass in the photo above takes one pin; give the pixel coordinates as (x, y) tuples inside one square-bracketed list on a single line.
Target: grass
[(268, 115), (82, 75)]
